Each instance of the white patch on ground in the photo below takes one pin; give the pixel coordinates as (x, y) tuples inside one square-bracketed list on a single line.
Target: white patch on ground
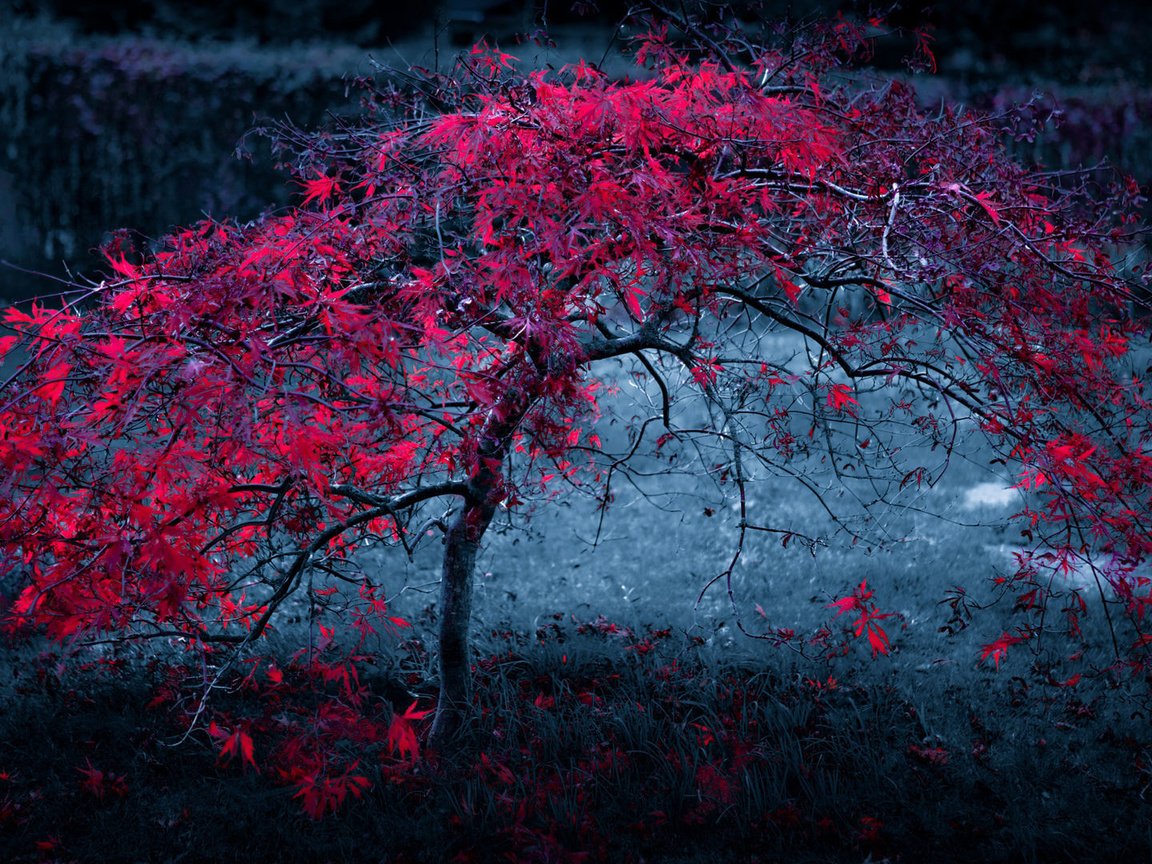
[(989, 495)]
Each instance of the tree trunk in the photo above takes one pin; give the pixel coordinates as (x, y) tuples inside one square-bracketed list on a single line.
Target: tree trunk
[(461, 544)]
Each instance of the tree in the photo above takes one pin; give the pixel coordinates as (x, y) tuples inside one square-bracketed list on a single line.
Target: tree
[(422, 342)]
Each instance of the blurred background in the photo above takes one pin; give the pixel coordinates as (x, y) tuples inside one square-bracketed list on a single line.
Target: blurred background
[(137, 115)]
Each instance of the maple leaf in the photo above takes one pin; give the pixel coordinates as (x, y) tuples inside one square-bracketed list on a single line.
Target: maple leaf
[(54, 380), (998, 648), (492, 55), (877, 638), (402, 738), (122, 266), (858, 599), (844, 605), (840, 399), (233, 744), (931, 755), (790, 288), (982, 199), (102, 783), (321, 794), (320, 189)]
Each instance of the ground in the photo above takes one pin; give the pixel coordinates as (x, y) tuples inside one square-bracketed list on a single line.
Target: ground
[(620, 717)]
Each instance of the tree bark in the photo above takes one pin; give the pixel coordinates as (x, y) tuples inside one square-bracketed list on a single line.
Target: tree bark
[(461, 544)]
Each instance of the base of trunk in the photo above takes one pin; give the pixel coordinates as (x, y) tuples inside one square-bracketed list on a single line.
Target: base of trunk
[(461, 544)]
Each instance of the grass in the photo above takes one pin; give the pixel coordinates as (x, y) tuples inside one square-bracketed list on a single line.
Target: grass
[(618, 719), (584, 741)]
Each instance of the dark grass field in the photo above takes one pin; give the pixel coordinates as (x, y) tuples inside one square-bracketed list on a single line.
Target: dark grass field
[(586, 749), (618, 720)]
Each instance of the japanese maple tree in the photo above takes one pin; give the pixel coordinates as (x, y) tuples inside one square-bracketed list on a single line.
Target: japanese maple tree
[(811, 272)]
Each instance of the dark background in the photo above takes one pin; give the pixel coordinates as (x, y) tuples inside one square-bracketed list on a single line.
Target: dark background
[(135, 114), (1071, 41)]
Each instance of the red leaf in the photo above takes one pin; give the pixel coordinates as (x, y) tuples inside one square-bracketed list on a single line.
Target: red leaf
[(247, 751), (999, 648), (844, 605), (840, 399), (121, 266), (54, 380), (877, 639), (402, 738), (930, 755), (791, 289), (993, 214), (237, 742), (632, 299), (411, 713), (320, 189)]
